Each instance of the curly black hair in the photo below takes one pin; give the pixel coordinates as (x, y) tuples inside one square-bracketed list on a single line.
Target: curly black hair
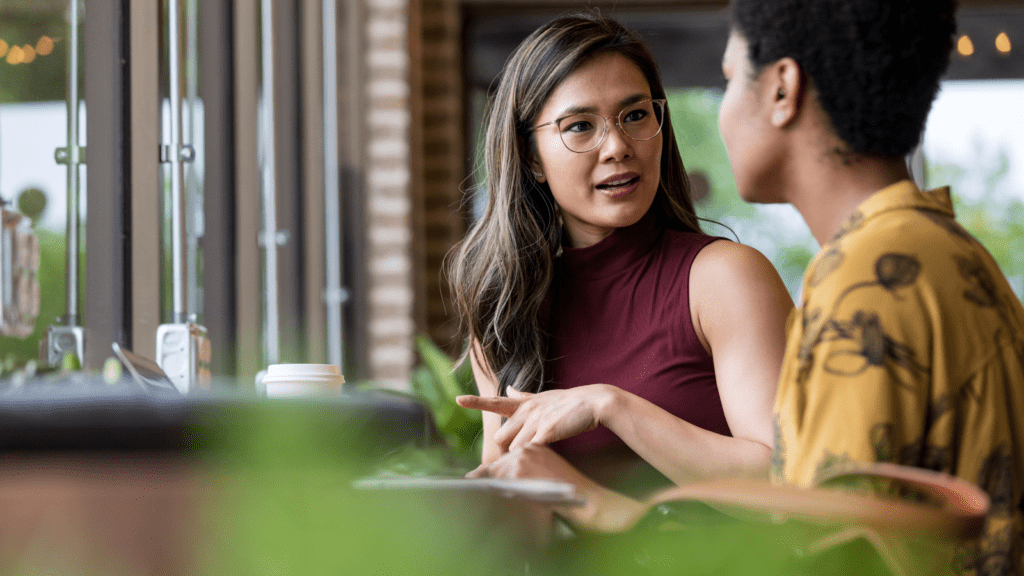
[(875, 64)]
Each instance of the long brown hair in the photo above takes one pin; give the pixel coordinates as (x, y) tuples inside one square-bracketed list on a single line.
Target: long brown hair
[(502, 270)]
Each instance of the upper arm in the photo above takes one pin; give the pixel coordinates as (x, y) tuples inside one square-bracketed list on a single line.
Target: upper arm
[(487, 385), (739, 307)]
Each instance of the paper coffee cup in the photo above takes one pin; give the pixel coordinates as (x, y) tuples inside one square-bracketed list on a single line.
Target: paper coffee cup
[(298, 380)]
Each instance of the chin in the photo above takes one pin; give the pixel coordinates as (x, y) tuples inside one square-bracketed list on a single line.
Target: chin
[(624, 218), (634, 211), (750, 195), (754, 194), (618, 218)]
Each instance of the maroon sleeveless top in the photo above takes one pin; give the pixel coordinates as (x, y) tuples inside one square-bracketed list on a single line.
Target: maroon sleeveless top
[(620, 314)]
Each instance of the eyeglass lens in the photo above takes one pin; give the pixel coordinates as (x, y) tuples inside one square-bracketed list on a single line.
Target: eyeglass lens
[(584, 132)]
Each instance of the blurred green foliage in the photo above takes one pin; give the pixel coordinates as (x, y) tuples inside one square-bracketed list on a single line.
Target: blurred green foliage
[(283, 503), (45, 78), (695, 121), (273, 482)]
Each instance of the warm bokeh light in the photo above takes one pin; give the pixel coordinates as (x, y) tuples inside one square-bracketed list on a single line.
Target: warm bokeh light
[(15, 55), (964, 46), (45, 46), (3, 48), (30, 54), (1003, 43)]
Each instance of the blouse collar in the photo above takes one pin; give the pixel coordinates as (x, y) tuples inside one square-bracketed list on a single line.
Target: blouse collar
[(902, 195)]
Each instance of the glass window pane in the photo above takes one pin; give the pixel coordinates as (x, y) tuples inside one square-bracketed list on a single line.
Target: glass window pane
[(189, 114), (34, 132)]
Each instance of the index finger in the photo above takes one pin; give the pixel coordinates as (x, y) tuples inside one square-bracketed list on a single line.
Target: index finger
[(499, 405)]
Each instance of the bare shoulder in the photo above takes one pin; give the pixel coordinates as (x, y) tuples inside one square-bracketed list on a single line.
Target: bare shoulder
[(735, 285), (723, 263)]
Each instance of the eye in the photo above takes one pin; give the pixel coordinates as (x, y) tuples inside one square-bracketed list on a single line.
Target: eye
[(577, 125), (635, 115)]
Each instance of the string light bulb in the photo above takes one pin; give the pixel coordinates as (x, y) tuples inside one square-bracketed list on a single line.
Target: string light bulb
[(964, 46), (44, 47), (15, 55), (29, 54), (4, 47), (1003, 43)]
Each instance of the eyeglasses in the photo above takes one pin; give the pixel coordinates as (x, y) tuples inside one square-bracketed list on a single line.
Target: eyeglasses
[(584, 132)]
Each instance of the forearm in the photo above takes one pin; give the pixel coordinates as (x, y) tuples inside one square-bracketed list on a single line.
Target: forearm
[(681, 451)]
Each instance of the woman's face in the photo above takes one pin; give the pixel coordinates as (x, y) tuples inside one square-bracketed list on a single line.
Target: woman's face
[(614, 184), (745, 128)]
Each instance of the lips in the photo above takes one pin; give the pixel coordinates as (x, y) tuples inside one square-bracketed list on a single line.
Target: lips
[(619, 183)]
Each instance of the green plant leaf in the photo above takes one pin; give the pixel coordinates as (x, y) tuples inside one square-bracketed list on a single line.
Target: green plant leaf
[(425, 388), (440, 364), (459, 426), (451, 382)]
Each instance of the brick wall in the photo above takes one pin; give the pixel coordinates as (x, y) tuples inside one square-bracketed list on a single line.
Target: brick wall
[(389, 206)]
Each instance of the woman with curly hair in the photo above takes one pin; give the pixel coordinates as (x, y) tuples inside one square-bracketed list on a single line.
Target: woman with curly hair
[(908, 345), (627, 349)]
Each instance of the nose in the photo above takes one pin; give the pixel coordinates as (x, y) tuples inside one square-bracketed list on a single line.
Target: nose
[(616, 146)]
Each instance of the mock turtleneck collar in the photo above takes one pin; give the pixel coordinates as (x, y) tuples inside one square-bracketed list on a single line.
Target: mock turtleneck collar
[(617, 252)]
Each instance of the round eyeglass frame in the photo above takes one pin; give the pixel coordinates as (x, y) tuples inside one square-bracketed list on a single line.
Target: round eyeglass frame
[(618, 123)]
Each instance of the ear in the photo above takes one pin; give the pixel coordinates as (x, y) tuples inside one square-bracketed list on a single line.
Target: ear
[(538, 171), (784, 80)]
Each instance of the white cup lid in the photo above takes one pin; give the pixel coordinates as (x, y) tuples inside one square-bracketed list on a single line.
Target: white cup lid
[(309, 373), (303, 370)]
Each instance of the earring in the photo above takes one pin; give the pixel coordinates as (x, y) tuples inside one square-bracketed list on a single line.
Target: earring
[(778, 117)]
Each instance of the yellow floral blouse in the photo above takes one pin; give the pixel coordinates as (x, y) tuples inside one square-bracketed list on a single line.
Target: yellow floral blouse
[(908, 347)]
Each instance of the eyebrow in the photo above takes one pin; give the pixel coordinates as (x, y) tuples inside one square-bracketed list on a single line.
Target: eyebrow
[(633, 99)]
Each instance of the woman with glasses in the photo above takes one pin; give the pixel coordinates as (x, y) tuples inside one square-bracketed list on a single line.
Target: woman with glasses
[(626, 348)]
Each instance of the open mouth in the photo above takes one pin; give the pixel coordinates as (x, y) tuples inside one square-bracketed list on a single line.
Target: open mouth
[(619, 184)]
